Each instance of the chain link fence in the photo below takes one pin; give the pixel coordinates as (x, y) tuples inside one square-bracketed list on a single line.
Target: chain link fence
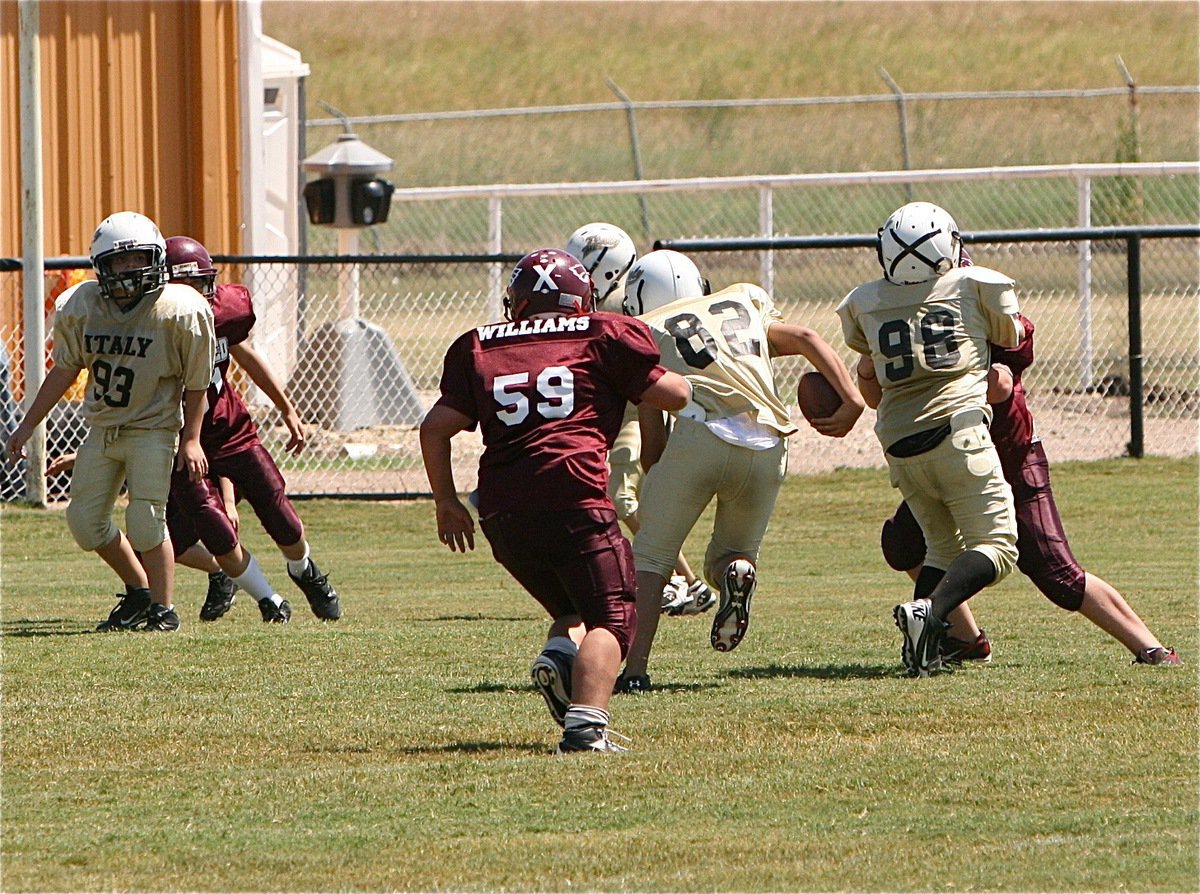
[(359, 341)]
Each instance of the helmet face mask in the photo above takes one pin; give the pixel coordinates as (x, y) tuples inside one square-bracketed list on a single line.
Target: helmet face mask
[(189, 262), (919, 242), (129, 256), (548, 281), (607, 252), (659, 278)]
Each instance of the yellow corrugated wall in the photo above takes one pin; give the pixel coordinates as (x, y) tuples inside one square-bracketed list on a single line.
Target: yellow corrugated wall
[(141, 110)]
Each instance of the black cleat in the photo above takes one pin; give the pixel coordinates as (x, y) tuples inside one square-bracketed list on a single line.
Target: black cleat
[(275, 614), (130, 613), (551, 673), (635, 683), (162, 619), (322, 598), (220, 596)]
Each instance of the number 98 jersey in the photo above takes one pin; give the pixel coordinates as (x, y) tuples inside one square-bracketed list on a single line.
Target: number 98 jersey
[(929, 344)]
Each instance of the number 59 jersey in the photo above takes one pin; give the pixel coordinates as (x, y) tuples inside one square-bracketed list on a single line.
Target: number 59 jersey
[(719, 342), (549, 395), (929, 344), (140, 361)]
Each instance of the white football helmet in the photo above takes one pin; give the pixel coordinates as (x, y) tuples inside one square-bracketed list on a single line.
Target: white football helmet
[(123, 232), (607, 252), (659, 278), (919, 242)]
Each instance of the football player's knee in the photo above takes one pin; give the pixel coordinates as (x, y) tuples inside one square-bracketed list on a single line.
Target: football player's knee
[(1063, 587), (1003, 554), (90, 531), (146, 522), (902, 543)]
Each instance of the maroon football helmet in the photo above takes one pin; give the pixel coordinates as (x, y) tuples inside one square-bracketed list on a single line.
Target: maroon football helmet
[(549, 280), (188, 262)]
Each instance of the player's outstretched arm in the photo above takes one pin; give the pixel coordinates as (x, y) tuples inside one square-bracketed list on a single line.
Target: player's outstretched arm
[(456, 527), (262, 376), (787, 339), (999, 383), (54, 386)]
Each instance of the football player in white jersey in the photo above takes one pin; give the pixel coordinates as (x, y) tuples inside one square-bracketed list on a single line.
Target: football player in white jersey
[(925, 327), (608, 252), (730, 444), (144, 342)]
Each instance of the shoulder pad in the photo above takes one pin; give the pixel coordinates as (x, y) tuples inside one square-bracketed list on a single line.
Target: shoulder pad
[(987, 275)]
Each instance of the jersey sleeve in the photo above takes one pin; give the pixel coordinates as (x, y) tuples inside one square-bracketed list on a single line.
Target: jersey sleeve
[(197, 345), (633, 358), (852, 330), (68, 339), (1020, 358), (766, 307), (234, 312), (458, 378), (999, 304)]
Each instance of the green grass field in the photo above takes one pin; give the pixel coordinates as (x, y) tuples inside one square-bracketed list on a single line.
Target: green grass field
[(403, 748)]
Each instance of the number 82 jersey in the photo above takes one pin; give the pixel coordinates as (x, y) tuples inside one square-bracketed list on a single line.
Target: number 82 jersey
[(929, 344)]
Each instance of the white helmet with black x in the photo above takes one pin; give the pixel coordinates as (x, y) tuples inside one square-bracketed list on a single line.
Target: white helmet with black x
[(919, 242), (126, 233), (607, 252)]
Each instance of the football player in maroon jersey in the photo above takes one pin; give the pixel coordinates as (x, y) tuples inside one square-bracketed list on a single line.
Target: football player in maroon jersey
[(1044, 555), (548, 390), (230, 439)]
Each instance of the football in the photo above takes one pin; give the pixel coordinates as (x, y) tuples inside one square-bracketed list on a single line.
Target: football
[(816, 397)]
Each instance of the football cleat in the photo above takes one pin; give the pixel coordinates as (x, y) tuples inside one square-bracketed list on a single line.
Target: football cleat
[(733, 617), (1158, 655), (275, 614), (700, 599), (589, 740), (923, 635), (130, 612), (634, 683), (220, 596), (162, 618), (322, 598), (674, 595), (551, 673), (956, 651)]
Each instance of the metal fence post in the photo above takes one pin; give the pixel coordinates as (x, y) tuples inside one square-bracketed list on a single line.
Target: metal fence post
[(33, 279), (635, 147), (495, 238), (1086, 371), (902, 111), (766, 226), (1134, 278)]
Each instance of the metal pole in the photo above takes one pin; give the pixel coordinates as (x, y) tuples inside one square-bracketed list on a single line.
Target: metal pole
[(1086, 351), (32, 246), (635, 146), (1135, 149), (1134, 277), (902, 109), (348, 274), (766, 226), (495, 305)]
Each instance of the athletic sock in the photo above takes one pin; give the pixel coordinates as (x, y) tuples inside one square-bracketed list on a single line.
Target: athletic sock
[(254, 582), (563, 644), (585, 720), (297, 567)]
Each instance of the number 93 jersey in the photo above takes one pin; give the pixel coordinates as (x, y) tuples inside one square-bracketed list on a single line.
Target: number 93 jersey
[(719, 342), (139, 361), (929, 344)]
